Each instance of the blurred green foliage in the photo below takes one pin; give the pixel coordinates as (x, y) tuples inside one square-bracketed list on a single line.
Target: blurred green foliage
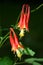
[(6, 61)]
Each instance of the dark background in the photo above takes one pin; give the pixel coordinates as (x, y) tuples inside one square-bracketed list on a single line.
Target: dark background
[(9, 11)]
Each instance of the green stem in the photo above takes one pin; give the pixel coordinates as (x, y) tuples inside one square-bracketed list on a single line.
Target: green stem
[(18, 18), (15, 27), (4, 41), (36, 8), (5, 36)]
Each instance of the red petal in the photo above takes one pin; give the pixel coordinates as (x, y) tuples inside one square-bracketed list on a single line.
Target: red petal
[(12, 39), (25, 16)]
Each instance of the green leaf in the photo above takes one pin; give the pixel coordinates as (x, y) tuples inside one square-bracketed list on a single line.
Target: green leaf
[(29, 52), (30, 60), (36, 63), (6, 61), (33, 60), (39, 59)]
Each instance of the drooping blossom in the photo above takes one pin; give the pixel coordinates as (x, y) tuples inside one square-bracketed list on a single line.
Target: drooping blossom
[(24, 19), (15, 44)]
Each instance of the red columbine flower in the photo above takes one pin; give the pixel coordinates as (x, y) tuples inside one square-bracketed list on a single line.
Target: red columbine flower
[(24, 19), (15, 43)]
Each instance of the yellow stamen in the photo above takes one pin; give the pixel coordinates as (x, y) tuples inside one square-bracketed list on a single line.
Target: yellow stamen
[(21, 33), (19, 54)]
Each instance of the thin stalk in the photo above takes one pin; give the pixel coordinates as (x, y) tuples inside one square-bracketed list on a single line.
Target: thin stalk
[(36, 8), (4, 39)]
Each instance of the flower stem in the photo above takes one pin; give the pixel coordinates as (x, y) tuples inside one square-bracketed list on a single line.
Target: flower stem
[(36, 8), (4, 39)]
